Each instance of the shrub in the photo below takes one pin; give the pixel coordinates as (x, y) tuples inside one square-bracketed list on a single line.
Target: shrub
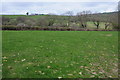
[(74, 26), (5, 20), (21, 19), (30, 23), (13, 22), (42, 21), (9, 27), (116, 26), (51, 22), (13, 27), (21, 25)]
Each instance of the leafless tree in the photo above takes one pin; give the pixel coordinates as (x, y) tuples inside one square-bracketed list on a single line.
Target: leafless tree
[(114, 18), (70, 15), (107, 22), (118, 6), (96, 19), (106, 25), (96, 23), (83, 18)]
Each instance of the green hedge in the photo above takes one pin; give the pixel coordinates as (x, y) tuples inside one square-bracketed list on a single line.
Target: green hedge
[(12, 27)]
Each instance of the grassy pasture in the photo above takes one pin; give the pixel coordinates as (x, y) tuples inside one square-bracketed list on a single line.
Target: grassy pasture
[(56, 54), (102, 25), (30, 16)]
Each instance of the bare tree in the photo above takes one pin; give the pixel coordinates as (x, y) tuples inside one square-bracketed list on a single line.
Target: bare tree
[(114, 20), (69, 13), (96, 23), (118, 7), (95, 18), (69, 19), (83, 18), (107, 24)]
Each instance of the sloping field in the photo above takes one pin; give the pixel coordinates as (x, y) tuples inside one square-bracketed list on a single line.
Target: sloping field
[(60, 54)]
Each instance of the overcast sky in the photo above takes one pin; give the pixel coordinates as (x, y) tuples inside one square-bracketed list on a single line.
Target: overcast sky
[(56, 6), (59, 0)]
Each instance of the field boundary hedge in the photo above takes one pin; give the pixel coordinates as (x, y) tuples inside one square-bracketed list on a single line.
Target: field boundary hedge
[(52, 29)]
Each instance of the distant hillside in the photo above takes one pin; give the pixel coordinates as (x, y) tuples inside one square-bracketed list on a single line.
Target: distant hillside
[(110, 16)]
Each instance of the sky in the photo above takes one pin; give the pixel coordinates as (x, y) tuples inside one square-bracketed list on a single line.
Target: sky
[(59, 0), (56, 6)]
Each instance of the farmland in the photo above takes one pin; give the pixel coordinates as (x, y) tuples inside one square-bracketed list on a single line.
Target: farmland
[(60, 54)]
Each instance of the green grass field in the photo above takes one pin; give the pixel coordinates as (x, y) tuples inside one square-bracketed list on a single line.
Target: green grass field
[(102, 25), (56, 54), (30, 16)]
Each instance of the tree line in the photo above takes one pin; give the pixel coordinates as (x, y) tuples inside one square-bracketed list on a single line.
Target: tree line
[(79, 21)]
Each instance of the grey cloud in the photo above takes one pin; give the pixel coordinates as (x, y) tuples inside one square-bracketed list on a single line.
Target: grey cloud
[(55, 7)]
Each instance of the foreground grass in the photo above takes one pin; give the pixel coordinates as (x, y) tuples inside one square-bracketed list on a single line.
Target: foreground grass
[(56, 54)]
